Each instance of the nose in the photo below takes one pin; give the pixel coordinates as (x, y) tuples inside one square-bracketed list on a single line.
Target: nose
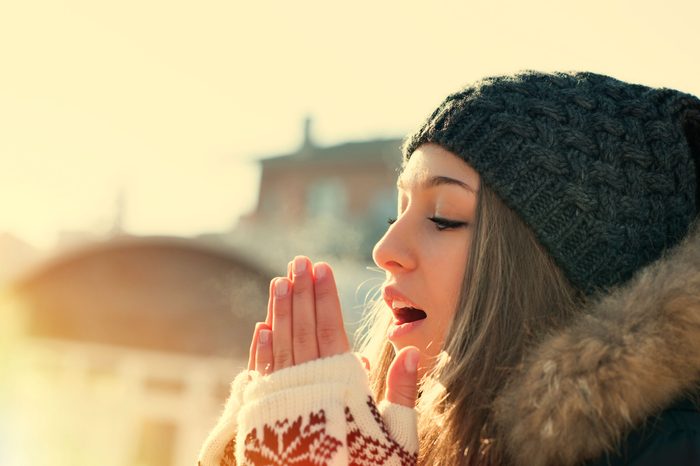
[(394, 252)]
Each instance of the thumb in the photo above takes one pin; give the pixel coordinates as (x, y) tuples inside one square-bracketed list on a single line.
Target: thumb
[(402, 378)]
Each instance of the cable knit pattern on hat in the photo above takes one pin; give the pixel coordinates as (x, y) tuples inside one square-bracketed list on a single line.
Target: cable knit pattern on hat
[(317, 413), (601, 170)]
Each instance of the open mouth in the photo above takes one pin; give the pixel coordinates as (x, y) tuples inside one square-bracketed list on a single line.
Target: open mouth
[(405, 312), (405, 315)]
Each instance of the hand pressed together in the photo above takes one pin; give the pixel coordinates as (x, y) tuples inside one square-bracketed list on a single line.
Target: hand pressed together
[(304, 322)]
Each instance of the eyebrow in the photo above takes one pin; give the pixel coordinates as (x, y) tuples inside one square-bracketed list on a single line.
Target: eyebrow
[(436, 181)]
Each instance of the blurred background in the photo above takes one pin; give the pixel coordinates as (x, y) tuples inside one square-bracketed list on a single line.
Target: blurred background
[(161, 161)]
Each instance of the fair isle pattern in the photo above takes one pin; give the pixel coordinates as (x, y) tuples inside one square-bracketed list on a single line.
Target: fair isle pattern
[(292, 443), (365, 450), (229, 458)]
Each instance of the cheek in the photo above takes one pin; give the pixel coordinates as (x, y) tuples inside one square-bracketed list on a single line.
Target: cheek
[(448, 284), (448, 273)]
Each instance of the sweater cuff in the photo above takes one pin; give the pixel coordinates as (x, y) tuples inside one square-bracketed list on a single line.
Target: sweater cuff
[(339, 370), (401, 423)]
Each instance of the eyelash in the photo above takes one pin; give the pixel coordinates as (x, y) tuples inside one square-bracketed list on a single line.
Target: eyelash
[(440, 223)]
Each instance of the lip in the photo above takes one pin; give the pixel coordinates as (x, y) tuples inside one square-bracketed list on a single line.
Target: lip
[(397, 330), (390, 293)]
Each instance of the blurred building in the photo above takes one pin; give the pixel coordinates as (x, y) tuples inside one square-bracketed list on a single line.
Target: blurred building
[(129, 349), (16, 256), (327, 200), (130, 343)]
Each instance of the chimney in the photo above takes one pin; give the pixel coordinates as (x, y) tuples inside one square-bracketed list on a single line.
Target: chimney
[(308, 142)]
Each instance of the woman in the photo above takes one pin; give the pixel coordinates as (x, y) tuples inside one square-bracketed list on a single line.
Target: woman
[(542, 296)]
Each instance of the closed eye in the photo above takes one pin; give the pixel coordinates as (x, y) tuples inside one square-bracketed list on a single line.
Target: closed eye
[(445, 224)]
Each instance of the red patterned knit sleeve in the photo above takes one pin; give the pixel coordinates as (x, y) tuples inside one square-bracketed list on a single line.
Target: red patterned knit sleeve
[(321, 413)]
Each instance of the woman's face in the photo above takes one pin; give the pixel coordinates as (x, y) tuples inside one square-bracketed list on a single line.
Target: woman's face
[(424, 252)]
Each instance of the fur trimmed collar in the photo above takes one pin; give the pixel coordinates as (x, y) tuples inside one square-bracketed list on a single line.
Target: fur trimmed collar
[(632, 353)]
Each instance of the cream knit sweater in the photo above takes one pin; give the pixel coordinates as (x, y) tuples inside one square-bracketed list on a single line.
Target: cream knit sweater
[(317, 413)]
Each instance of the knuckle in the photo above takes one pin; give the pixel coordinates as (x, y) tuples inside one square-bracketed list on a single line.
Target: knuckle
[(407, 387), (325, 293), (303, 336), (327, 335), (283, 359)]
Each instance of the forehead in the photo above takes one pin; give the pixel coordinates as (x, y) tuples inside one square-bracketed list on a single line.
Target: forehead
[(432, 160)]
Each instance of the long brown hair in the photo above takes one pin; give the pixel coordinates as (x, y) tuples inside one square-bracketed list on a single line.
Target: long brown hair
[(512, 295)]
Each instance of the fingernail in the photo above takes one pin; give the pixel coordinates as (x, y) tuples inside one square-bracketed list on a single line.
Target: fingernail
[(281, 287), (411, 362), (320, 271), (263, 337), (299, 265)]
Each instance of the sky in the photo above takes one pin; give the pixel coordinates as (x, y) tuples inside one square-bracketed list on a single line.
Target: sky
[(168, 105)]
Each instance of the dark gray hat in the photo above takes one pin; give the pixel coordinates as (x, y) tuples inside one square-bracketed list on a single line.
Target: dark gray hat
[(605, 172)]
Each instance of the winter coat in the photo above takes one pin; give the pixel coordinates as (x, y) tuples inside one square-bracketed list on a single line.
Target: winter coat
[(619, 385), (673, 437)]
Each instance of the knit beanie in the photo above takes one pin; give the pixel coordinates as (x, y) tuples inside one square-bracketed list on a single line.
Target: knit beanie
[(604, 172)]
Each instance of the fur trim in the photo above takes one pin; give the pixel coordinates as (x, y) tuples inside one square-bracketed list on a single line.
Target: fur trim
[(632, 353)]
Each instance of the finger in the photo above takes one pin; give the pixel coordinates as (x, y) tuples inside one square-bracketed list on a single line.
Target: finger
[(254, 345), (268, 317), (303, 312), (282, 325), (263, 355), (330, 331), (402, 378)]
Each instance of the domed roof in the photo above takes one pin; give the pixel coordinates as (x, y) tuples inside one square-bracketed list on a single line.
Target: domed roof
[(158, 293)]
